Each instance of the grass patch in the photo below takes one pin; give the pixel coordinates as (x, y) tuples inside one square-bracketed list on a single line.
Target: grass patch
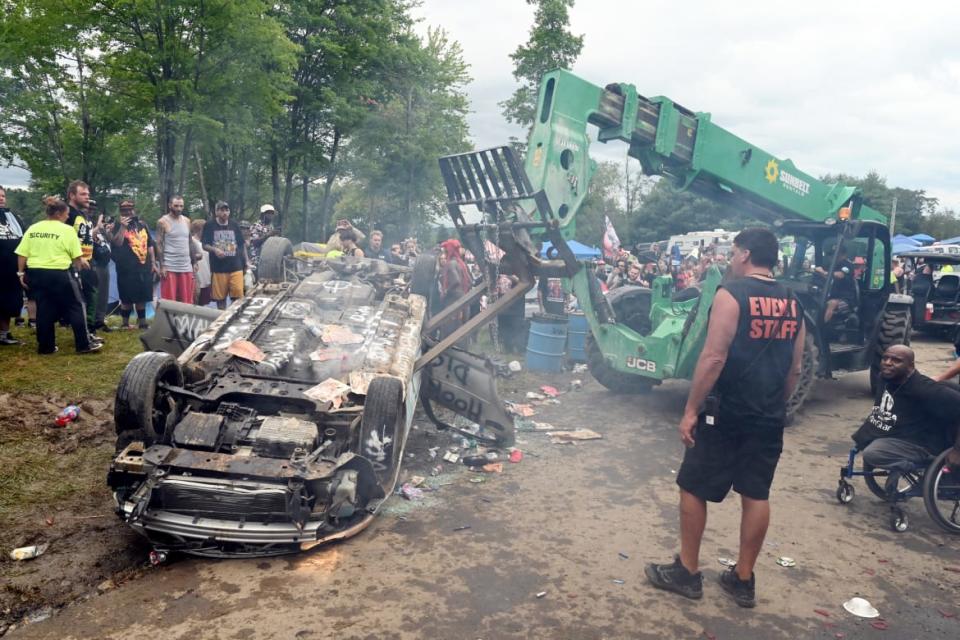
[(72, 376), (34, 478)]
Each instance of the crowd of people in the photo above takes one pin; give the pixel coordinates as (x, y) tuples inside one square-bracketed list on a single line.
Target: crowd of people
[(642, 268), (59, 268)]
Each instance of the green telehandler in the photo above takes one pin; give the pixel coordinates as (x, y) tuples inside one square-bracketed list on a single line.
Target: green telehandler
[(640, 336)]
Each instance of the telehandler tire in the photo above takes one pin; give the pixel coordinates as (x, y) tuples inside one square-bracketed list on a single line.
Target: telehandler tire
[(894, 329), (614, 380), (810, 361)]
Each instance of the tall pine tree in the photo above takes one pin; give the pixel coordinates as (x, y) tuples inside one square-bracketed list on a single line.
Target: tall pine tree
[(551, 46)]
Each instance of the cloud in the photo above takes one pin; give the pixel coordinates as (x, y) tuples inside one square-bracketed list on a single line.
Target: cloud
[(835, 86)]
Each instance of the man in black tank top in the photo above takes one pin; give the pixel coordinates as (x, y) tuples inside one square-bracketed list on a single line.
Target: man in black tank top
[(747, 370)]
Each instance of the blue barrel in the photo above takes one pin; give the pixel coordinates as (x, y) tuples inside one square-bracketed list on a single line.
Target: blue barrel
[(577, 330), (546, 343)]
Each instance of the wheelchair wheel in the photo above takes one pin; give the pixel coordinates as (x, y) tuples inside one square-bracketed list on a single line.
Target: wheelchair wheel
[(845, 492), (941, 494), (870, 478)]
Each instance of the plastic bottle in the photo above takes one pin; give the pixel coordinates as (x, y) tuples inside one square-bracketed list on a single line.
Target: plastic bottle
[(68, 415)]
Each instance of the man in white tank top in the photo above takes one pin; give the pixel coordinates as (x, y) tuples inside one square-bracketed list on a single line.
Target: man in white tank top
[(174, 250)]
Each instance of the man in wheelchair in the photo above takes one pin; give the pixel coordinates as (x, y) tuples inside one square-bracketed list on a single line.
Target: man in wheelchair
[(911, 421)]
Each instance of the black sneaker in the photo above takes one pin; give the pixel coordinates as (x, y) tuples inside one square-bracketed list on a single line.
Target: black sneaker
[(675, 577), (19, 321), (94, 347), (102, 326), (743, 591), (8, 340)]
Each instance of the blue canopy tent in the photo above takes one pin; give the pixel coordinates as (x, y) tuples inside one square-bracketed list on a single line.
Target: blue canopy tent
[(954, 240), (900, 238), (903, 247), (580, 250), (922, 238)]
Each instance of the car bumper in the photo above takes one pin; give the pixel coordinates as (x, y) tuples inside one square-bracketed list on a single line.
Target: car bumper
[(211, 537)]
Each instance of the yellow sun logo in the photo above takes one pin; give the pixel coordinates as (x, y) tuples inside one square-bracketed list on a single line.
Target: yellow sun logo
[(772, 171)]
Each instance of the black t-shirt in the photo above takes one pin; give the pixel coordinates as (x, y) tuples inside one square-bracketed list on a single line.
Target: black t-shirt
[(752, 383), (229, 239), (133, 253), (844, 288), (920, 411), (552, 296)]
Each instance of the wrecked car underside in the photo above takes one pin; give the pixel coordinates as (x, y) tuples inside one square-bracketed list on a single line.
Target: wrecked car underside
[(282, 425)]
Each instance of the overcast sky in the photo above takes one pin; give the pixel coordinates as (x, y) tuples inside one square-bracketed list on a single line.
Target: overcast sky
[(840, 86)]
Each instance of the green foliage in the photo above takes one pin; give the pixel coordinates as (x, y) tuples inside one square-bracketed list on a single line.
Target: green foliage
[(550, 46), (665, 211), (246, 101), (913, 205), (394, 177), (941, 224), (605, 198)]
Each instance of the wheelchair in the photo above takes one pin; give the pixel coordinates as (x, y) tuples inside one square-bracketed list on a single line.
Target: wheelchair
[(936, 482)]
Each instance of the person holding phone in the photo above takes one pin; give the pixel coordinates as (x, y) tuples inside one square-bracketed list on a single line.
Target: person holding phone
[(747, 370), (333, 242), (82, 208), (134, 253), (102, 235), (223, 239)]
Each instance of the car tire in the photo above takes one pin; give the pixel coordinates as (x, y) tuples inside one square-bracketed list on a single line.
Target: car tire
[(382, 434), (142, 410), (273, 253)]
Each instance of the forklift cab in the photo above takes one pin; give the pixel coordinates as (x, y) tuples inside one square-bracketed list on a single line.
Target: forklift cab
[(814, 252)]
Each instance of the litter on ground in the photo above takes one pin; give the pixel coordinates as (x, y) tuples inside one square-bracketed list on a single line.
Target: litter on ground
[(522, 410), (570, 437)]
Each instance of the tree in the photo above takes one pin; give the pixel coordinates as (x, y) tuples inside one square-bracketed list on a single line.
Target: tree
[(395, 180), (551, 46), (58, 120), (179, 60), (912, 205), (664, 212), (344, 47)]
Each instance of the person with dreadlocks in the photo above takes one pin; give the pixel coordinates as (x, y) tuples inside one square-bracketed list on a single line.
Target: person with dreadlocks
[(454, 282)]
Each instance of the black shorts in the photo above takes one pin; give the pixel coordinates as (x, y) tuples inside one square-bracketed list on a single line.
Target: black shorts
[(11, 295), (135, 285), (741, 456)]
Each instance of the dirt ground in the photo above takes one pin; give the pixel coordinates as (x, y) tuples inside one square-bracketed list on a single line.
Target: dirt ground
[(54, 495), (575, 523)]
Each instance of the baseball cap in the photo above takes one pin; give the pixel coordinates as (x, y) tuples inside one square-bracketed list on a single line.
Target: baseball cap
[(267, 207)]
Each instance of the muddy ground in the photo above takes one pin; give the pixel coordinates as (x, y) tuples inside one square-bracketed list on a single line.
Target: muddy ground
[(573, 522), (64, 504)]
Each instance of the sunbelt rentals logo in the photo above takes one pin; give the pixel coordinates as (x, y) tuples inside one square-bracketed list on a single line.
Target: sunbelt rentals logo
[(774, 173)]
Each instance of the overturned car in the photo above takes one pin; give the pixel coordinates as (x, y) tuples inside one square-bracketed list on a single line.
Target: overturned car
[(281, 423)]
